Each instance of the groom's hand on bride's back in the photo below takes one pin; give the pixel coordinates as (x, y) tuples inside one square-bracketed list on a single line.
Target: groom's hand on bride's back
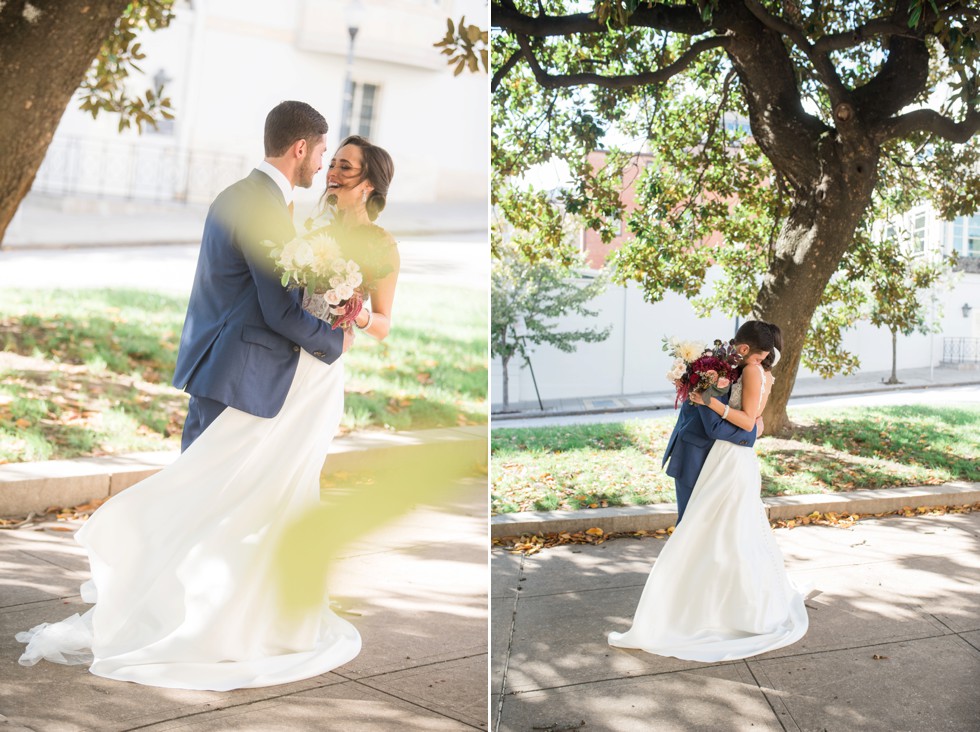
[(348, 339)]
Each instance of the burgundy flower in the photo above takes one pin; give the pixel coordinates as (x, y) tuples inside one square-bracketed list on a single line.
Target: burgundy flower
[(705, 371)]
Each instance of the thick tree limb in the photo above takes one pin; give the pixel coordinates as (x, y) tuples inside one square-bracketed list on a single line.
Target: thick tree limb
[(683, 19), (781, 126), (625, 81), (821, 62), (861, 34), (901, 78), (500, 73), (929, 120), (883, 27)]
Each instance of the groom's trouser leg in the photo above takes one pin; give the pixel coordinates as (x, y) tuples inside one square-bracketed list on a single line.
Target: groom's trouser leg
[(683, 492), (200, 413)]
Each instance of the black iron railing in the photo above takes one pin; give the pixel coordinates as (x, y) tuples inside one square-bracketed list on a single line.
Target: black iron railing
[(961, 350), (136, 171)]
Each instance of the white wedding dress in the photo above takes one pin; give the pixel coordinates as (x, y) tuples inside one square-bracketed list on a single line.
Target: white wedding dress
[(719, 590), (183, 578)]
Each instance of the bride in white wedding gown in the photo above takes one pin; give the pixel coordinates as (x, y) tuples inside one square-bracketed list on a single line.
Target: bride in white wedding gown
[(183, 577), (182, 572), (719, 590)]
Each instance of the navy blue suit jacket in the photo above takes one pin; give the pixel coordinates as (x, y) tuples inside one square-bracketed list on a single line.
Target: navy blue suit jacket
[(243, 331), (696, 430)]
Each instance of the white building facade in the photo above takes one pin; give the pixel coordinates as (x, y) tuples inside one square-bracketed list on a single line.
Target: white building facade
[(631, 361), (226, 63)]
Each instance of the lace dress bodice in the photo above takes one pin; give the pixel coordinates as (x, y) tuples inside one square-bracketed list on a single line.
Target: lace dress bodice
[(735, 402)]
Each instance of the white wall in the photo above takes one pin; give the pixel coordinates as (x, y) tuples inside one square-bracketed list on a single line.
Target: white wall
[(231, 61), (631, 360)]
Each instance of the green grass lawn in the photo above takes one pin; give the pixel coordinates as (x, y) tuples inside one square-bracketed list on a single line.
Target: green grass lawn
[(87, 372), (591, 466)]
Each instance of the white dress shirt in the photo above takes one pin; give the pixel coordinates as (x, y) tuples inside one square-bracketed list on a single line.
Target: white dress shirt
[(279, 178)]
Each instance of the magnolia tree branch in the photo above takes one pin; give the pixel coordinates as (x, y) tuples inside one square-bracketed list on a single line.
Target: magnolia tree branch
[(511, 19), (781, 125), (898, 83), (931, 121), (821, 61), (504, 69), (677, 18), (884, 27), (624, 81), (861, 34)]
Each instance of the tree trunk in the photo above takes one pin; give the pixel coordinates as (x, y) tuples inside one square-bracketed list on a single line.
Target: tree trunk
[(893, 379), (831, 173), (816, 234), (44, 57), (505, 360)]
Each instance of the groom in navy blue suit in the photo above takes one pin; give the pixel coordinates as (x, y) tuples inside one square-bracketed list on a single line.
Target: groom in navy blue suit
[(243, 331), (697, 429)]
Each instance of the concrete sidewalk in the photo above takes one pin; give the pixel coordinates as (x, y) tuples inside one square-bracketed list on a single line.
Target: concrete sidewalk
[(417, 592), (48, 222), (865, 382), (893, 643)]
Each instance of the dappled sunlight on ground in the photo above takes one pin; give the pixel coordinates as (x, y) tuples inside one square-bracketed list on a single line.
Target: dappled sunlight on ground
[(898, 604)]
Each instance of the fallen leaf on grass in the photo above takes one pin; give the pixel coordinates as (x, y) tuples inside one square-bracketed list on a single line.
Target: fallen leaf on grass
[(396, 404)]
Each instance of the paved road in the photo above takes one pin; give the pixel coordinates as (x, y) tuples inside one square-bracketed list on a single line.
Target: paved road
[(949, 396), (460, 260)]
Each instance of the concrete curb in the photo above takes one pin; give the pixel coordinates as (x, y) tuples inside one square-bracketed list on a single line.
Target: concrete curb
[(668, 404), (664, 515), (33, 487)]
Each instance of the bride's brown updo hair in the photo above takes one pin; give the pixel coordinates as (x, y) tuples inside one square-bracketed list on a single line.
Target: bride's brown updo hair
[(378, 169), (759, 336), (777, 342)]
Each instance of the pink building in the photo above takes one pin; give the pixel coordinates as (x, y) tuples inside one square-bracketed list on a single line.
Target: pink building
[(595, 249)]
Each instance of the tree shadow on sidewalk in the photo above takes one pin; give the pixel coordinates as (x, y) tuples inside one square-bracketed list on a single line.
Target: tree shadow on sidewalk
[(900, 606)]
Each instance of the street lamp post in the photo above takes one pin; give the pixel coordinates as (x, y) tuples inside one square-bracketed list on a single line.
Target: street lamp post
[(354, 16)]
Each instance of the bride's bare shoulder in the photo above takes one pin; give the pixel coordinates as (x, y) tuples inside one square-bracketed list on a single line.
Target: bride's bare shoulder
[(751, 375)]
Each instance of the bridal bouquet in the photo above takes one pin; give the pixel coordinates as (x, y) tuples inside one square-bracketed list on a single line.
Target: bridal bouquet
[(334, 284), (700, 368)]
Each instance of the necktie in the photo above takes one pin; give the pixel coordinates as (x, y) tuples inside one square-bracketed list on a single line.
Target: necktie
[(290, 206)]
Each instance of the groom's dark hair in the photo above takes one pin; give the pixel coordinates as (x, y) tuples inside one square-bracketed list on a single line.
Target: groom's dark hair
[(289, 122), (759, 336)]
